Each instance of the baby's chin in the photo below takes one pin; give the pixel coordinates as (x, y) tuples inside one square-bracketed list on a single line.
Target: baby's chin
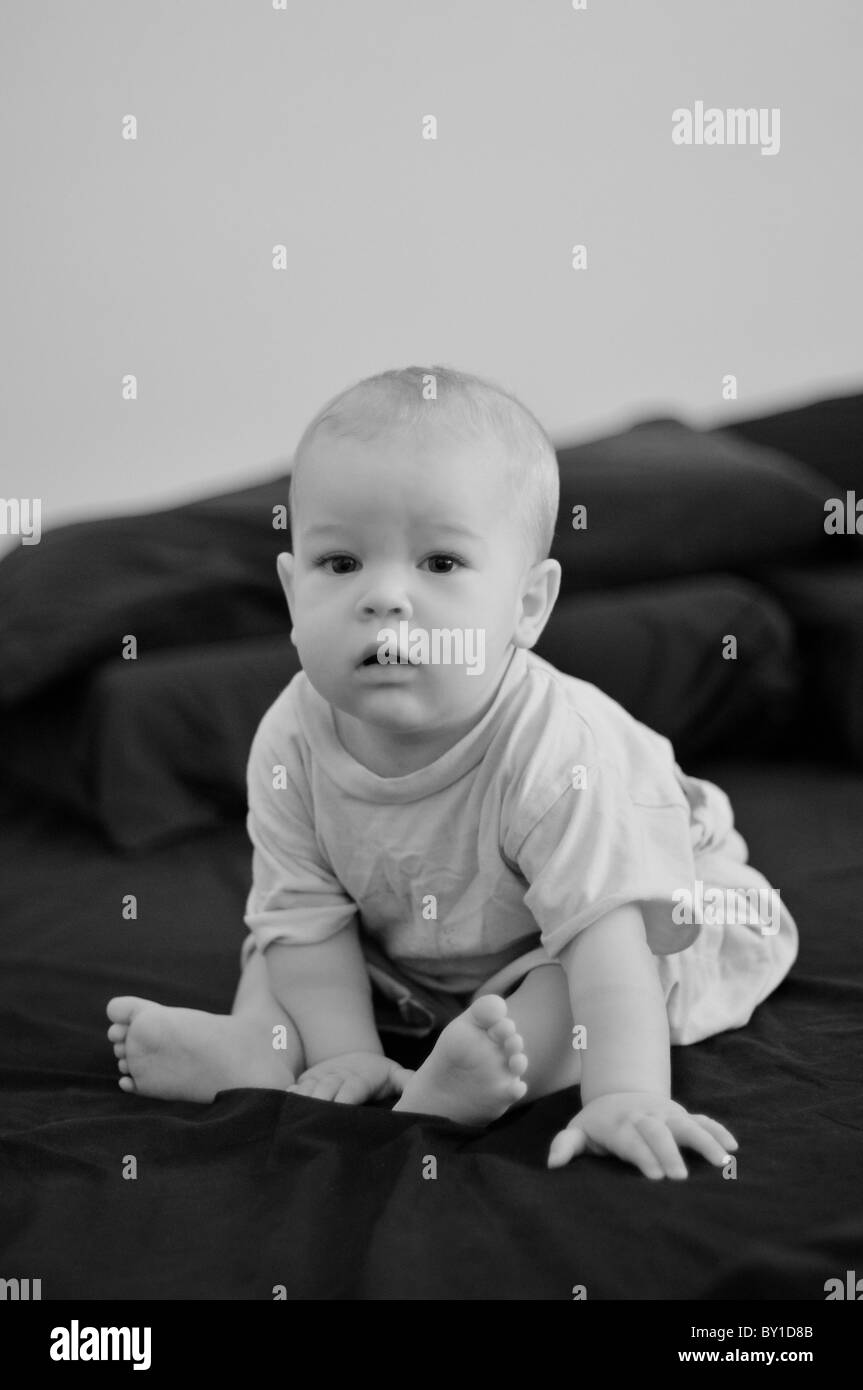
[(405, 702), (383, 704)]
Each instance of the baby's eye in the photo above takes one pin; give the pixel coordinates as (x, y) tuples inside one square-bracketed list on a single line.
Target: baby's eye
[(327, 559), (335, 559), (447, 559)]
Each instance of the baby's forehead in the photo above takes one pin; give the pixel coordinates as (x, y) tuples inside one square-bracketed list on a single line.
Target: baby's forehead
[(453, 470)]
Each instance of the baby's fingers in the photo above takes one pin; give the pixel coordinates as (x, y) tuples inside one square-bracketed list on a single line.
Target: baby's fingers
[(566, 1145), (318, 1087), (352, 1091), (724, 1136), (659, 1139), (629, 1144), (693, 1132)]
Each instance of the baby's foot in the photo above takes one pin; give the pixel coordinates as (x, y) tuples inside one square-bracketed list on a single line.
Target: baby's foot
[(186, 1054), (473, 1074)]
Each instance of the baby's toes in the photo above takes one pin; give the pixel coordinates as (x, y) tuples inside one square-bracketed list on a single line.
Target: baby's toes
[(499, 1032), (516, 1058), (517, 1088), (487, 1011), (122, 1008), (117, 1032), (119, 1049), (123, 1066)]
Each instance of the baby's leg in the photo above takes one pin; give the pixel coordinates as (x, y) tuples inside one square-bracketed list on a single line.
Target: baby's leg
[(187, 1054), (542, 1013)]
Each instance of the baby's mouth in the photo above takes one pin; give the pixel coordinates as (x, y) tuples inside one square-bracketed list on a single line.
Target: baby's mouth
[(371, 659)]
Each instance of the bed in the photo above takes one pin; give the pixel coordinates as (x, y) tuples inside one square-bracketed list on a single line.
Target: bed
[(124, 868)]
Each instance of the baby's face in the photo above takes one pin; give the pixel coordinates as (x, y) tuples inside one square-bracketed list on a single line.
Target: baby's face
[(402, 529)]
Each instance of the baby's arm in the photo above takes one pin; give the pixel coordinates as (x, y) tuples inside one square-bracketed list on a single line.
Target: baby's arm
[(615, 993), (627, 1108), (325, 990)]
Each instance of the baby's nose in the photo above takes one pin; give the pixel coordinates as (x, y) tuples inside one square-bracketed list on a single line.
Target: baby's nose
[(401, 607), (385, 600)]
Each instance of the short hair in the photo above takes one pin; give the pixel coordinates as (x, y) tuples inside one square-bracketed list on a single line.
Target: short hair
[(463, 406)]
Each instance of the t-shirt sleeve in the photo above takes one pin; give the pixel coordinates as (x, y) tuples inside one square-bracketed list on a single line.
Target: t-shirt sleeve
[(596, 849), (295, 897)]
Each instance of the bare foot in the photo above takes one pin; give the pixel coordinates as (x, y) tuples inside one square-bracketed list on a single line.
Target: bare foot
[(186, 1054), (473, 1074)]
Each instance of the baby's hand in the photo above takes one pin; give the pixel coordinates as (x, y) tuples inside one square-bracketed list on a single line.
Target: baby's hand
[(641, 1128), (352, 1078)]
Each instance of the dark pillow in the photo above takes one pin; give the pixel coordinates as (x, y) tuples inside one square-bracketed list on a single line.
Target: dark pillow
[(658, 650), (826, 435), (826, 606), (663, 499), (202, 572), (156, 748)]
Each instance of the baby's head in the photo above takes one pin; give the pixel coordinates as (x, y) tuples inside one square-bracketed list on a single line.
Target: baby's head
[(428, 497)]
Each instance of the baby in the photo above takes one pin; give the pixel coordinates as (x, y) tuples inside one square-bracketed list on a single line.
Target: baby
[(498, 847)]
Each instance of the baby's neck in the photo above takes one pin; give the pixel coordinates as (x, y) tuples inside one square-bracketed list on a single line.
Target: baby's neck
[(380, 753)]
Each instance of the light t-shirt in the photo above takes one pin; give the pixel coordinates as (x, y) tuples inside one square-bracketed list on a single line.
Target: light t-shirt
[(555, 808)]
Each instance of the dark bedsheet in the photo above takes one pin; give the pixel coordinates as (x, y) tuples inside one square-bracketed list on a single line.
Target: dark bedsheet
[(262, 1189)]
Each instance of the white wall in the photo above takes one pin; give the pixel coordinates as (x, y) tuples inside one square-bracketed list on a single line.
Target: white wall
[(303, 126)]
